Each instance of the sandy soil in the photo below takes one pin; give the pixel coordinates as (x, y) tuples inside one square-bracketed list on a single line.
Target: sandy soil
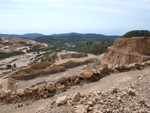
[(120, 80)]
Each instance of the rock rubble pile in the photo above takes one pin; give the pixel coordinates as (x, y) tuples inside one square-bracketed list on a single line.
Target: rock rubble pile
[(48, 89), (133, 99)]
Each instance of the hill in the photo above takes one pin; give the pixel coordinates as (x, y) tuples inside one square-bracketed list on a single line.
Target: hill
[(132, 48), (136, 33), (74, 37), (27, 35), (10, 46)]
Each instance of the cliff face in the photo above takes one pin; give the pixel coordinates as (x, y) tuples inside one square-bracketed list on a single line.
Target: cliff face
[(128, 50)]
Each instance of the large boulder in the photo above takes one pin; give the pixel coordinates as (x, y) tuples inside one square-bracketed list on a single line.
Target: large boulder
[(20, 92), (50, 86), (86, 74), (76, 97), (62, 80), (5, 93), (61, 100), (104, 70)]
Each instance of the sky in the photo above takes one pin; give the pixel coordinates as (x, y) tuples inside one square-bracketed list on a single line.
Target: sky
[(109, 17)]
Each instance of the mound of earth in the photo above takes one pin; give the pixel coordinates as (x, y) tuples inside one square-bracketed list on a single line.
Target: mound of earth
[(128, 50), (11, 44)]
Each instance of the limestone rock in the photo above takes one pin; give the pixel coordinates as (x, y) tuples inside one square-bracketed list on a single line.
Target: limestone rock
[(131, 92), (86, 74), (80, 109), (77, 81), (119, 67), (128, 50), (50, 86), (76, 97), (61, 100), (137, 66), (5, 93), (62, 80), (104, 70), (20, 92)]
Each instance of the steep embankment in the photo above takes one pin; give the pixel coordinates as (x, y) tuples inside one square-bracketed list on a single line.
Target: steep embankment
[(128, 50)]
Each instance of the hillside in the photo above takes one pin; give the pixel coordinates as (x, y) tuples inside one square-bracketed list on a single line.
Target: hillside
[(10, 46), (68, 81), (73, 37), (136, 33), (27, 35), (126, 50)]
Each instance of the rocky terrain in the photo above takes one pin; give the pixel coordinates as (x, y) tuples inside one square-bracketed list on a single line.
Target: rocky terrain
[(134, 98), (128, 50), (119, 79), (11, 44)]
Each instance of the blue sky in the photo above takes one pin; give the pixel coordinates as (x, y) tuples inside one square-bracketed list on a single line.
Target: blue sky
[(110, 17)]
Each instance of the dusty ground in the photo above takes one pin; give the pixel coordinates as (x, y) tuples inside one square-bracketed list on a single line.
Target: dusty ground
[(134, 98), (25, 59), (120, 80), (19, 60)]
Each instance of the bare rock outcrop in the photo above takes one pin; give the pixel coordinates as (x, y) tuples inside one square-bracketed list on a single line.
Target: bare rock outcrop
[(128, 50)]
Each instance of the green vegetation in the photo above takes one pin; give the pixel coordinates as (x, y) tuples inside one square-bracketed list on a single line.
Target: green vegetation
[(91, 47), (86, 43), (6, 55), (137, 33), (62, 39)]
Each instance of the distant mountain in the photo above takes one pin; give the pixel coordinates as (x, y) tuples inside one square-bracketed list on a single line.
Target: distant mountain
[(65, 34), (74, 37), (27, 35), (136, 33), (63, 38)]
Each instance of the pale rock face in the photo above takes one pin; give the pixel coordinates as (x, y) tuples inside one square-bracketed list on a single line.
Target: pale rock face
[(76, 97), (61, 100), (80, 109), (128, 50)]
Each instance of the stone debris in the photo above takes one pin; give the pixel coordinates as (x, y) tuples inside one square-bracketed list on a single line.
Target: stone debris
[(80, 109), (76, 97), (127, 100), (131, 92), (86, 74), (47, 89), (50, 86), (61, 100)]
